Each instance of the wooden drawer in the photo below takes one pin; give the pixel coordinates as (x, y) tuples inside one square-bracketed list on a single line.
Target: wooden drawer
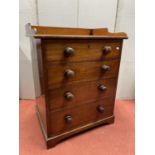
[(68, 119), (79, 93), (83, 71), (82, 50)]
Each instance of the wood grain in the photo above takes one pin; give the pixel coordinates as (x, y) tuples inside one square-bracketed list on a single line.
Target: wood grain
[(74, 33), (53, 140), (84, 71), (60, 30), (90, 93), (81, 115), (84, 50)]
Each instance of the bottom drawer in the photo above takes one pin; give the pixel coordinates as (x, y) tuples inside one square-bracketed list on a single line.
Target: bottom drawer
[(68, 119)]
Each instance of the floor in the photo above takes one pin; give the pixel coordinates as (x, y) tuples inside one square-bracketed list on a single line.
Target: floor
[(114, 139)]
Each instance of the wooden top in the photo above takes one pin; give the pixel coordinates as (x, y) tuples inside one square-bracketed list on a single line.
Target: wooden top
[(72, 33)]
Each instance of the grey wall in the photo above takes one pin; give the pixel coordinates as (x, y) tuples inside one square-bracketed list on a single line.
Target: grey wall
[(125, 22), (27, 13), (117, 15)]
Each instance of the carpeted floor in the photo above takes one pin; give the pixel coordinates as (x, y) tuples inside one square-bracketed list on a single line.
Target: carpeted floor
[(114, 139)]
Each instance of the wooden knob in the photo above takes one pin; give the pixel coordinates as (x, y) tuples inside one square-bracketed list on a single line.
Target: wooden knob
[(105, 68), (102, 87), (69, 73), (68, 119), (69, 96), (69, 51), (100, 109), (107, 49)]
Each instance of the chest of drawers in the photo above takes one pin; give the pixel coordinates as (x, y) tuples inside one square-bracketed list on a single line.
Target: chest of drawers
[(75, 72)]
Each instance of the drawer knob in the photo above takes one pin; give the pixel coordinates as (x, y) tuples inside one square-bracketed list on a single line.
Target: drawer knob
[(68, 119), (100, 109), (69, 73), (69, 96), (107, 49), (69, 51), (102, 87), (105, 68)]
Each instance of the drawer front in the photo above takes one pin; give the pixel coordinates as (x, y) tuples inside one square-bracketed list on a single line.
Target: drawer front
[(83, 71), (76, 94), (69, 119), (65, 50)]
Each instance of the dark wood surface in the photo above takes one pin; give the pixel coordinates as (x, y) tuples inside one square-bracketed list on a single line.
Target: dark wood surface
[(84, 71), (74, 33), (51, 141), (60, 30), (84, 50), (81, 115), (77, 88), (91, 93)]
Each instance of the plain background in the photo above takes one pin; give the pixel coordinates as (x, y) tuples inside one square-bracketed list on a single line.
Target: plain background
[(116, 15)]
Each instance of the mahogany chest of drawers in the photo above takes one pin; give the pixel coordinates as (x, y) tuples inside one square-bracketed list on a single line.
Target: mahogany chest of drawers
[(75, 72)]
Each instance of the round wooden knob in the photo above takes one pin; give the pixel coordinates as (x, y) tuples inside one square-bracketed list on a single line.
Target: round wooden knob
[(107, 49), (69, 73), (68, 119), (105, 68), (69, 51), (100, 109), (102, 87), (69, 96)]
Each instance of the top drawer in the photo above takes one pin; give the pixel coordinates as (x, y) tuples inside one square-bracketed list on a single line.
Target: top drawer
[(81, 50)]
